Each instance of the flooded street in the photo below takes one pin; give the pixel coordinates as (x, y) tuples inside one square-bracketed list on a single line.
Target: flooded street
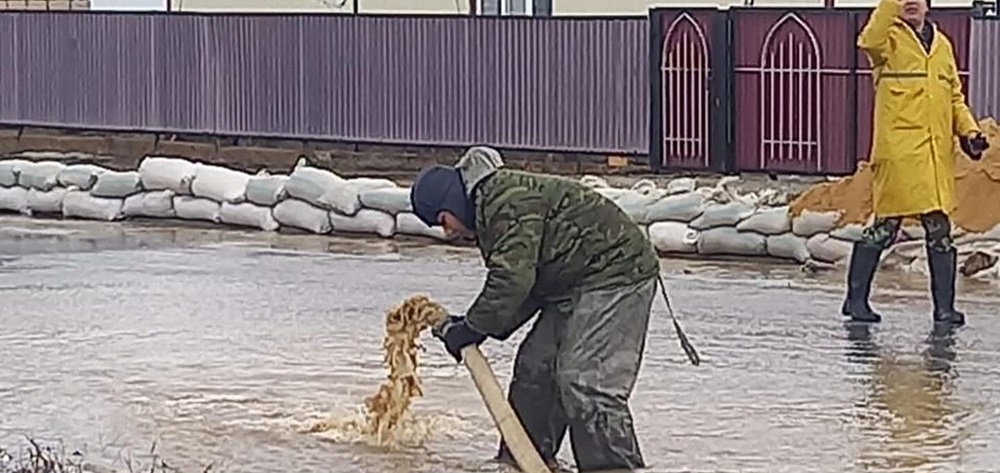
[(223, 346)]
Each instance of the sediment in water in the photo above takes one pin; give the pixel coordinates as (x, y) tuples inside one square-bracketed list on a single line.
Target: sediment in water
[(387, 410)]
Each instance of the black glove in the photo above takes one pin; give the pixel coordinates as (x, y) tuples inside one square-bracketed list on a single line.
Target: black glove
[(975, 146), (456, 334)]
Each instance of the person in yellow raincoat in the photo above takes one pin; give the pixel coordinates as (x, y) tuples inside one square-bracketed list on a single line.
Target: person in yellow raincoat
[(919, 110)]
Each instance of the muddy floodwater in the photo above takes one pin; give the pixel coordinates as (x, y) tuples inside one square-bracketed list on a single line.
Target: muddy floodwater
[(223, 346)]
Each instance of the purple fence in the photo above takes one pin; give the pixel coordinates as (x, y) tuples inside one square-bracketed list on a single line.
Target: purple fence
[(573, 84), (984, 66)]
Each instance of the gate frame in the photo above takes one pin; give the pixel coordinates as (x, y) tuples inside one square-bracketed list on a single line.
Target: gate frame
[(722, 136)]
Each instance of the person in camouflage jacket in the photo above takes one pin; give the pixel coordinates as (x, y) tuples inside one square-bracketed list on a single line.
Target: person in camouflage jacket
[(557, 248)]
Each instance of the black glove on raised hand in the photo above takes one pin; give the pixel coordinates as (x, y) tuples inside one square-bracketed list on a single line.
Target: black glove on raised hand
[(975, 146), (456, 334)]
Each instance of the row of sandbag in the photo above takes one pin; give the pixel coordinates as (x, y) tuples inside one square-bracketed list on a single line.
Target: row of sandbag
[(683, 218), (319, 187)]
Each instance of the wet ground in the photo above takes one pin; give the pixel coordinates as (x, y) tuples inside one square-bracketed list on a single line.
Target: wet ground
[(223, 345)]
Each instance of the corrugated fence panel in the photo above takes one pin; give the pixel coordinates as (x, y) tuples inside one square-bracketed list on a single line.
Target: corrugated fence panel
[(531, 83), (984, 68)]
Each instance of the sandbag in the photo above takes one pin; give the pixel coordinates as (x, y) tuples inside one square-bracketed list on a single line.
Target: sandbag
[(46, 202), (298, 214), (729, 241), (853, 232), (677, 208), (991, 234), (323, 189), (365, 221), (266, 190), (594, 182), (248, 215), (10, 169), (81, 176), (153, 204), (613, 193), (390, 200), (14, 199), (681, 185), (114, 184), (637, 204), (408, 223), (160, 173), (767, 221), (824, 248), (42, 175), (195, 208), (673, 237), (809, 223), (81, 204), (220, 184), (369, 183), (722, 215), (788, 246)]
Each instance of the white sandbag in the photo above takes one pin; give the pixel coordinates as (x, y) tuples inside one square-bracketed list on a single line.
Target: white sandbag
[(594, 182), (722, 215), (248, 215), (220, 184), (645, 186), (14, 199), (613, 193), (365, 221), (809, 223), (323, 189), (81, 204), (729, 241), (114, 184), (266, 190), (673, 237), (853, 232), (637, 204), (677, 208), (369, 183), (408, 223), (81, 176), (992, 234), (41, 175), (195, 208), (298, 214), (153, 204), (10, 169), (788, 246), (46, 202), (822, 247), (681, 185), (390, 200), (767, 221), (160, 173)]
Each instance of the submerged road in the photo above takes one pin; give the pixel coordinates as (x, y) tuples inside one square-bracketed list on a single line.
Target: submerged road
[(223, 345)]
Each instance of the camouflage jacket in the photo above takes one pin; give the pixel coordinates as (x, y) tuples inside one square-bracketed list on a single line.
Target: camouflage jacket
[(545, 238)]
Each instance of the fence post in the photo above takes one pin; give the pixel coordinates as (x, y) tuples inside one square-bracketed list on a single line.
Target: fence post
[(721, 154), (655, 28), (852, 88)]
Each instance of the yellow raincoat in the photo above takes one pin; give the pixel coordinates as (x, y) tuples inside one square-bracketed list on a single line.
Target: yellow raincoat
[(919, 109)]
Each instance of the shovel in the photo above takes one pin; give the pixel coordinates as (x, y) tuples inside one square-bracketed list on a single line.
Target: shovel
[(504, 418)]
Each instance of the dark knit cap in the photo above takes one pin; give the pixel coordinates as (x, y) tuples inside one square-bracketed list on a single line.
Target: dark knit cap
[(440, 188)]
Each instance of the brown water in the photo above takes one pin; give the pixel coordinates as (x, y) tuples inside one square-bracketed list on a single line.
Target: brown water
[(223, 345)]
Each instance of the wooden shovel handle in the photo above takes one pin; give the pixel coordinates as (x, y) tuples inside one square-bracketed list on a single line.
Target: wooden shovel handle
[(506, 420)]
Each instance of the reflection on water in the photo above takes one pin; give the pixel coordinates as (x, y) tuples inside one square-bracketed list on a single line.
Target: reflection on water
[(909, 414), (225, 346)]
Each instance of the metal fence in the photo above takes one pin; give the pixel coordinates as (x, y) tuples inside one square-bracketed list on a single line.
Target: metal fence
[(522, 83), (984, 62), (744, 89), (764, 89)]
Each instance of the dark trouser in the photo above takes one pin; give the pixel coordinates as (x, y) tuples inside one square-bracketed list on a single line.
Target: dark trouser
[(941, 258), (937, 227), (576, 370)]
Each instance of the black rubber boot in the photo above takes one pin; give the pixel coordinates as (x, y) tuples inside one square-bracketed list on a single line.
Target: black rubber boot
[(864, 262), (942, 267)]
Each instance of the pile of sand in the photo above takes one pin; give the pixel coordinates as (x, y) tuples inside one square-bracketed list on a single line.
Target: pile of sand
[(976, 185)]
